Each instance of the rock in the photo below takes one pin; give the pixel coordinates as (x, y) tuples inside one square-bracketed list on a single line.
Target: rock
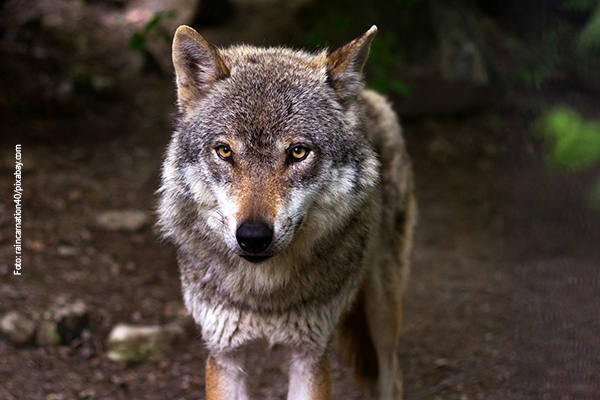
[(442, 54), (67, 251), (104, 85), (128, 343), (443, 363), (461, 41), (63, 322), (123, 220), (17, 328), (47, 333), (87, 394)]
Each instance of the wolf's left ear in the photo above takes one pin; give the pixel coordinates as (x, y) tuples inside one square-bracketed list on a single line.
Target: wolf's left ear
[(345, 65), (198, 65)]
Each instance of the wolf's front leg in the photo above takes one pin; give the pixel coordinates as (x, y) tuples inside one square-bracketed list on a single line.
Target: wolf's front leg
[(310, 378), (225, 379)]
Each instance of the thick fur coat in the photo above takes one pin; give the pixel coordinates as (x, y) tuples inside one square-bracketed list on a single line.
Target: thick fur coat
[(289, 145)]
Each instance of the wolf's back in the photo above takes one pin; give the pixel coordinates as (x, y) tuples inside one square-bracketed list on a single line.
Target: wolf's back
[(394, 238)]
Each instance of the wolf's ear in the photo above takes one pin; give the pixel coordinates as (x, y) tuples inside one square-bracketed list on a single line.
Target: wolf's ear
[(345, 65), (198, 65)]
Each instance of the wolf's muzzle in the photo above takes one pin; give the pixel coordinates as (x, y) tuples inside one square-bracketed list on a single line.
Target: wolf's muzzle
[(254, 237)]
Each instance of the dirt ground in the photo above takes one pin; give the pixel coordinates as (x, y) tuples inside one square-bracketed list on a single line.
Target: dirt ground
[(503, 301)]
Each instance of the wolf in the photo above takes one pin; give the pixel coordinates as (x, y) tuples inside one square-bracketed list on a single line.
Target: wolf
[(288, 194)]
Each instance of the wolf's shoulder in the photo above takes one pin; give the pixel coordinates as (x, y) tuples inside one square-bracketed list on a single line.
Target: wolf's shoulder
[(381, 122)]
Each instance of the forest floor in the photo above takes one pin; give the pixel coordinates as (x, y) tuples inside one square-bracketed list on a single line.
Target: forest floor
[(503, 301)]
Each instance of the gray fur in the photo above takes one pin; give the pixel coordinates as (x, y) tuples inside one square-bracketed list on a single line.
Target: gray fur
[(352, 197)]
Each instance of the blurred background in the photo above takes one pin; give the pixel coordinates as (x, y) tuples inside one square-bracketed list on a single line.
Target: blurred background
[(500, 103)]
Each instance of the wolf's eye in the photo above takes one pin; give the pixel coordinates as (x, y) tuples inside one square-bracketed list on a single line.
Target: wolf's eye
[(224, 152), (299, 153)]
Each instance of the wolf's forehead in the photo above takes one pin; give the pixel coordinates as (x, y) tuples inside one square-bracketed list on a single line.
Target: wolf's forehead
[(248, 56), (272, 67), (271, 97)]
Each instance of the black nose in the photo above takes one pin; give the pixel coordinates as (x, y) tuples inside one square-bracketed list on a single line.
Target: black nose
[(254, 237)]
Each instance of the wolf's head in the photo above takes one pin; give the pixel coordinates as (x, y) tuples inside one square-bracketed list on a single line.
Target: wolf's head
[(268, 141)]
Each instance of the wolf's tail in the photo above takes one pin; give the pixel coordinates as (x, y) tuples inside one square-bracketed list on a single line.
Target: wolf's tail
[(357, 344)]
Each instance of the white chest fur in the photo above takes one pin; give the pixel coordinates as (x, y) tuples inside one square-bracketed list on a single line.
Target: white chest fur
[(225, 328)]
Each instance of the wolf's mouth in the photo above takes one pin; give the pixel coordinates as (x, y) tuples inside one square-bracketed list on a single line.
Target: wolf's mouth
[(256, 259)]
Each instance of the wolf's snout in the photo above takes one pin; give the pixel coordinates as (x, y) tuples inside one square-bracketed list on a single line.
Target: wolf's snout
[(254, 237)]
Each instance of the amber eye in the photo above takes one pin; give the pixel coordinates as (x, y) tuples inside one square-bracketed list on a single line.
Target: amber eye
[(299, 153), (224, 152)]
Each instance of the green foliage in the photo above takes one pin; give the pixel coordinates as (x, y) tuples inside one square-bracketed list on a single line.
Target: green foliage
[(34, 280), (382, 65), (328, 29), (154, 27), (565, 46), (580, 5), (574, 142), (541, 67), (382, 62), (589, 38)]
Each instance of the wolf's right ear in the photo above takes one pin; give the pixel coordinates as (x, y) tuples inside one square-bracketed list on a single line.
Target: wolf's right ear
[(345, 65), (198, 65)]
